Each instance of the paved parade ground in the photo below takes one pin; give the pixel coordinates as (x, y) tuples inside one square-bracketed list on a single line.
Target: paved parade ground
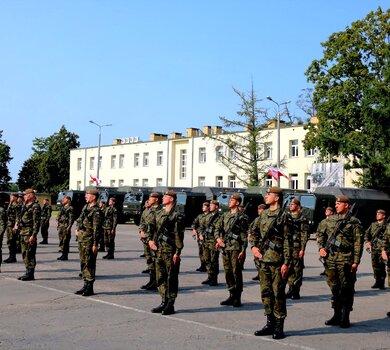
[(46, 314)]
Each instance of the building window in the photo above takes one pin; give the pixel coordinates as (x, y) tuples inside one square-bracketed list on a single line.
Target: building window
[(232, 181), (232, 154), (201, 181), (202, 155), (268, 181), (183, 164), (135, 182), (308, 181), (78, 185), (159, 181), (121, 161), (310, 152), (100, 162), (294, 181), (92, 163), (294, 148), (79, 163), (112, 183), (121, 182), (219, 181), (145, 182), (268, 150), (136, 160), (113, 162), (219, 153), (159, 158), (145, 160)]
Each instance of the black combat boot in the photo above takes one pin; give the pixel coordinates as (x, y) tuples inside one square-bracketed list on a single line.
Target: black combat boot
[(88, 290), (290, 292), (335, 319), (269, 327), (229, 300), (169, 308), (237, 299), (201, 268), (63, 257), (11, 259), (376, 284), (29, 276), (152, 283), (7, 260), (207, 281), (344, 322), (160, 308), (81, 291), (296, 293), (382, 283), (213, 281), (24, 276), (279, 325), (256, 278)]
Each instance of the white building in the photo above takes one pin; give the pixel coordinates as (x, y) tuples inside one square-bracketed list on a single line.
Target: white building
[(192, 160)]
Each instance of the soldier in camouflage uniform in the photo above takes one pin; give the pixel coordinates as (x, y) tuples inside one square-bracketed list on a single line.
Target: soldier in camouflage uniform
[(45, 220), (28, 221), (210, 254), (231, 236), (65, 221), (168, 234), (147, 219), (342, 259), (299, 229), (3, 225), (386, 249), (197, 228), (88, 232), (102, 206), (328, 212), (11, 233), (272, 249), (109, 226), (374, 242)]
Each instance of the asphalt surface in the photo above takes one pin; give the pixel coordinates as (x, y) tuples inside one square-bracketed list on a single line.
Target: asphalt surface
[(46, 314)]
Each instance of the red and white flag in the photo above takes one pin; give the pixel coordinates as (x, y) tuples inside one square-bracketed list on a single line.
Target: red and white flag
[(95, 180), (276, 173)]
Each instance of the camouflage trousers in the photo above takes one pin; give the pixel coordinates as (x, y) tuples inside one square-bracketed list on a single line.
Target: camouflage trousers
[(28, 252), (341, 281), (211, 258), (12, 239), (150, 260), (295, 273), (109, 241), (65, 239), (200, 251), (45, 231), (272, 288), (167, 275), (233, 270), (87, 258), (1, 247), (378, 266)]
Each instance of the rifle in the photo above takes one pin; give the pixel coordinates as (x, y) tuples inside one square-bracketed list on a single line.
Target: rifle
[(379, 237), (163, 232), (209, 229), (332, 241)]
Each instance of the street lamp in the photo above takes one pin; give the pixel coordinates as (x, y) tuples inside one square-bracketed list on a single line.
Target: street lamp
[(100, 137), (278, 133)]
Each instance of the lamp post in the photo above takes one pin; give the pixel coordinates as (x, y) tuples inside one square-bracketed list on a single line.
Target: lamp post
[(278, 133), (100, 137)]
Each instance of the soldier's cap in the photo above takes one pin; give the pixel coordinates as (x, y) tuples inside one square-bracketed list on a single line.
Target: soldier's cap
[(342, 199), (262, 206), (28, 191), (93, 192), (276, 190), (237, 197), (214, 202), (381, 211), (330, 208), (207, 204), (171, 193), (296, 201), (154, 195)]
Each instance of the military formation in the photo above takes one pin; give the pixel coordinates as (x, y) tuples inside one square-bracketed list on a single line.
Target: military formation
[(277, 239)]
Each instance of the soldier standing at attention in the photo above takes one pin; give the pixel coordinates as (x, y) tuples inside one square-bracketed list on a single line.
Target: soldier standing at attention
[(299, 229), (210, 254), (342, 258), (109, 226), (328, 212), (197, 228), (28, 222), (45, 220), (272, 248), (148, 217), (3, 225), (373, 238), (102, 206), (167, 242), (65, 221), (88, 232), (231, 236), (386, 249), (11, 233)]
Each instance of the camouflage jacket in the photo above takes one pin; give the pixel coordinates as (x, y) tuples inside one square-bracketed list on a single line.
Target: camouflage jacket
[(386, 240), (299, 230), (210, 225), (348, 247), (3, 220), (29, 219), (11, 214), (147, 219), (110, 218), (45, 214), (89, 223), (168, 231), (199, 223), (225, 231), (276, 244), (66, 216), (375, 235)]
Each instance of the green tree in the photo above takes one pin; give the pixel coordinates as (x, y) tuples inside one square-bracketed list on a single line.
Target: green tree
[(244, 139), (49, 163), (4, 159), (352, 98)]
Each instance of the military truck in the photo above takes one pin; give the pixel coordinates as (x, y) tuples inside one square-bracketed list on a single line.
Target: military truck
[(133, 202)]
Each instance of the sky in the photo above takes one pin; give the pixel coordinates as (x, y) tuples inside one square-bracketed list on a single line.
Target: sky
[(153, 66)]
